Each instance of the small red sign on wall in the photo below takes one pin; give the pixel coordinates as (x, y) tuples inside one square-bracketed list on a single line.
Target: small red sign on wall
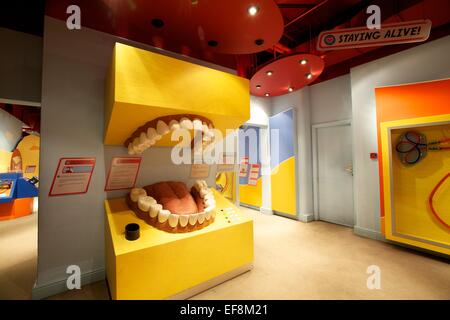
[(72, 176)]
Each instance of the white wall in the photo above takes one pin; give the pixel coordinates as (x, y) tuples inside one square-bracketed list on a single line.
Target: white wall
[(331, 100), (20, 66), (429, 61), (71, 228), (300, 101)]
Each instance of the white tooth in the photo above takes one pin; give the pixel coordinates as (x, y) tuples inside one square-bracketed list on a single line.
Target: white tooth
[(206, 138), (184, 219), (163, 215), (143, 140), (204, 192), (173, 220), (193, 219), (209, 209), (210, 203), (158, 137), (131, 149), (151, 133), (203, 182), (136, 193), (211, 134), (174, 125), (154, 210), (205, 128), (208, 216), (201, 217), (209, 196), (145, 202), (162, 128), (186, 123), (197, 125), (198, 185)]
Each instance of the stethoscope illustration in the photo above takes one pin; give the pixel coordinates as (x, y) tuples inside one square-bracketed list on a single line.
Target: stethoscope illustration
[(412, 147)]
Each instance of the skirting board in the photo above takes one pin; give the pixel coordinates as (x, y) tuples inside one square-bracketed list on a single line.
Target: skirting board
[(211, 283), (60, 286), (367, 233), (266, 211), (306, 217)]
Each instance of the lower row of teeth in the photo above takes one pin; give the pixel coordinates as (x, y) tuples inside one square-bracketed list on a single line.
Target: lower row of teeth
[(149, 138), (155, 210)]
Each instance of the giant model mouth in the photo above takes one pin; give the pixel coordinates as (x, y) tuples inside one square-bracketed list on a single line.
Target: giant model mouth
[(150, 133), (169, 206)]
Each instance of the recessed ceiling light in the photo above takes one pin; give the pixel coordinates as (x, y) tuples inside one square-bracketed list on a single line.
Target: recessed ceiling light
[(258, 86), (267, 94), (303, 61), (309, 76), (253, 10), (269, 73), (291, 89), (259, 42), (213, 43), (157, 23)]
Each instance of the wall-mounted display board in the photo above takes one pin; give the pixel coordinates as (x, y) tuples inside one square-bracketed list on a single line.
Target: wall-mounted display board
[(250, 182), (283, 163), (414, 142), (123, 173), (72, 176)]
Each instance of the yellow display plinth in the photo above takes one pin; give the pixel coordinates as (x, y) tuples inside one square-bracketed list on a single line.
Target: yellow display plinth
[(161, 265), (143, 85)]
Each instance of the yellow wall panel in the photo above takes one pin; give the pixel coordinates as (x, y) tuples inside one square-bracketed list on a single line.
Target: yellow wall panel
[(284, 193)]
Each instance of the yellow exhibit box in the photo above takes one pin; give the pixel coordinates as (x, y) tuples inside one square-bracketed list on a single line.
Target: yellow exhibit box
[(407, 189), (143, 85), (162, 265)]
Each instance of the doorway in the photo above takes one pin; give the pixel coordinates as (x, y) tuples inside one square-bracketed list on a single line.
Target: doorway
[(333, 173), (19, 183)]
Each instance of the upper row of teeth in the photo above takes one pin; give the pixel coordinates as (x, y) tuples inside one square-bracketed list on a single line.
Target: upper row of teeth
[(149, 138), (148, 204)]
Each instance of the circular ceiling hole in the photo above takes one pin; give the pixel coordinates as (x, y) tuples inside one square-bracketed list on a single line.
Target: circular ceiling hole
[(157, 23), (259, 42), (213, 43)]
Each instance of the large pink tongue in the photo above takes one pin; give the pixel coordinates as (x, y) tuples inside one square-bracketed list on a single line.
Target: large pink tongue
[(173, 196)]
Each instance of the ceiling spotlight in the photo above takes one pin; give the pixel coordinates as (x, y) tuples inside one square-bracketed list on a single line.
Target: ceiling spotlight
[(258, 86), (267, 94), (213, 43), (291, 89), (259, 42), (309, 76), (269, 73), (157, 23), (253, 10), (303, 61)]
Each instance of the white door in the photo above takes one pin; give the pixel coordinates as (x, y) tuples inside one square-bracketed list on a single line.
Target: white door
[(335, 174)]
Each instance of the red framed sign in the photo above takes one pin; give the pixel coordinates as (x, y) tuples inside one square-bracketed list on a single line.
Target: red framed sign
[(393, 33), (73, 176), (123, 173)]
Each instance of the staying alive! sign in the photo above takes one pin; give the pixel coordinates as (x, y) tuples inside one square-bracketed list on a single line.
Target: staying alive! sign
[(394, 33)]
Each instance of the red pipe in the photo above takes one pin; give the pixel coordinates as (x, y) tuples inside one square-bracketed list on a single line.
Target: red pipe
[(430, 201)]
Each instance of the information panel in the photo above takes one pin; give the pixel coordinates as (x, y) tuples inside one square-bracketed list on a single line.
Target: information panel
[(123, 173), (72, 176)]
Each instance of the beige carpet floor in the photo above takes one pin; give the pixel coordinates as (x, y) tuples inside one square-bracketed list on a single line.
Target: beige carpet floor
[(293, 260), (18, 257)]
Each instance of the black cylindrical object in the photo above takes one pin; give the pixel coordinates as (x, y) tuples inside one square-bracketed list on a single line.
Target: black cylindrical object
[(132, 231)]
